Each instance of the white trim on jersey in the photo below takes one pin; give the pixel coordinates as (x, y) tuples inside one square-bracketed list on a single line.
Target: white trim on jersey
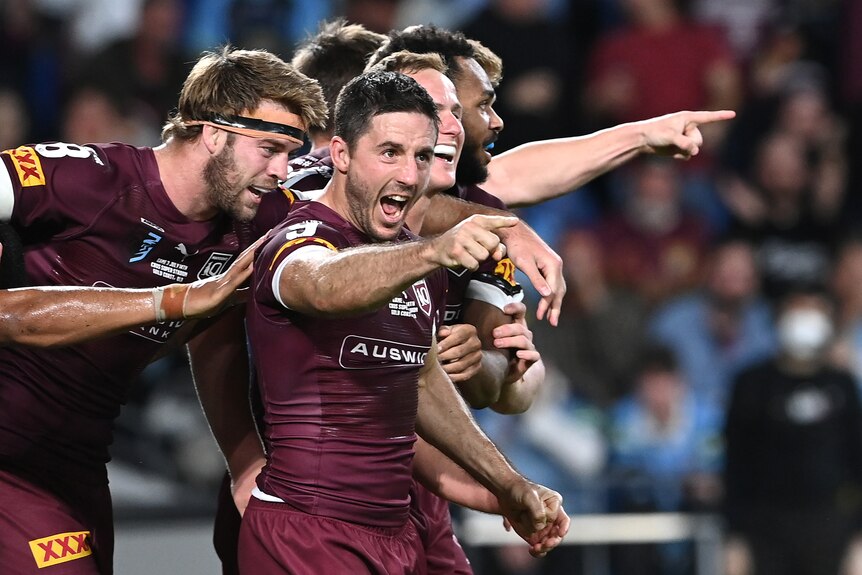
[(297, 175), (491, 294), (276, 277), (258, 494), (7, 194)]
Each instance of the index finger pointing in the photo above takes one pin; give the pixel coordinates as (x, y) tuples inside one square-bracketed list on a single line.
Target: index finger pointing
[(708, 117), (491, 223)]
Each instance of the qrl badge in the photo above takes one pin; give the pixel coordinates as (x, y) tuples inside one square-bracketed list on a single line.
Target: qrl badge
[(216, 264), (423, 297)]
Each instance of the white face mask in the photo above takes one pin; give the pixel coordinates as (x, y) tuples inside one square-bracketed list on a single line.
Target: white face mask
[(804, 333)]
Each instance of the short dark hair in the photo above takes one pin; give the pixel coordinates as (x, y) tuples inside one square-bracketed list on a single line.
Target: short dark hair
[(336, 55), (375, 93), (657, 358), (451, 46)]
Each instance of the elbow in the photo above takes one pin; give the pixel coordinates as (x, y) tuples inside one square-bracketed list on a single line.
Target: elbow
[(479, 394)]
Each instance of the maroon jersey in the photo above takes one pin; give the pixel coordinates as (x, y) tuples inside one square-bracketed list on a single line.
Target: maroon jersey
[(340, 394), (93, 215)]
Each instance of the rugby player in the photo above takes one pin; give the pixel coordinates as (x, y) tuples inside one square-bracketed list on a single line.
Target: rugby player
[(116, 216), (360, 331)]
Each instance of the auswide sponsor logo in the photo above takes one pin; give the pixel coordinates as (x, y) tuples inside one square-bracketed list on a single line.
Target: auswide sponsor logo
[(368, 353)]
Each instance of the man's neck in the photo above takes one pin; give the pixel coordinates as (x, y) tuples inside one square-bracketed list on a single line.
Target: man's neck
[(180, 170)]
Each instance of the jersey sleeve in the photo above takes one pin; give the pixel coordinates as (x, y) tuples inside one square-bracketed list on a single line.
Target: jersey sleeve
[(494, 283), (310, 236), (53, 185)]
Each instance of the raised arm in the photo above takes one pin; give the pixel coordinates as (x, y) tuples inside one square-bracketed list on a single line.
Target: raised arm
[(543, 170), (58, 315)]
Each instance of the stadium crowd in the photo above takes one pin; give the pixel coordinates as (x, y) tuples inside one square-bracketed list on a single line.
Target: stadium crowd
[(709, 352)]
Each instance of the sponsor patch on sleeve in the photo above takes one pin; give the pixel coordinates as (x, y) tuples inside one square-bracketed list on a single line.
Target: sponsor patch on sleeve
[(61, 548), (28, 166)]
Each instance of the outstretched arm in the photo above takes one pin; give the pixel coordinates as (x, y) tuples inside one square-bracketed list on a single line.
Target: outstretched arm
[(328, 283), (60, 315), (540, 171)]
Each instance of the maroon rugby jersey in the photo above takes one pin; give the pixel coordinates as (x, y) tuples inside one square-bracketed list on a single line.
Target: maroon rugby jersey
[(340, 394), (94, 215)]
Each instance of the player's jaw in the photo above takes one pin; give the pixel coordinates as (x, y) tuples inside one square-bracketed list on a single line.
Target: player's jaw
[(230, 191)]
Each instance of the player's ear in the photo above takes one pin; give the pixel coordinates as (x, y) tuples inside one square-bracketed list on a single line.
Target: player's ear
[(213, 139), (340, 153)]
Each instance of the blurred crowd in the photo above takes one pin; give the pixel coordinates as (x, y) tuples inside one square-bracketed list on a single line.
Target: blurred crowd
[(709, 356)]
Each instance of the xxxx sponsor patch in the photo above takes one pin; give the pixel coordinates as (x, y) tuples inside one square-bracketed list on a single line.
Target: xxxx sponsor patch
[(28, 166), (61, 548)]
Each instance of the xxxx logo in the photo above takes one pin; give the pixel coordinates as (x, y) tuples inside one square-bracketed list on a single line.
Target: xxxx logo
[(28, 166), (60, 548)]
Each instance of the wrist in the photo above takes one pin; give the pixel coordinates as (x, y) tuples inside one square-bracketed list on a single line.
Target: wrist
[(169, 302)]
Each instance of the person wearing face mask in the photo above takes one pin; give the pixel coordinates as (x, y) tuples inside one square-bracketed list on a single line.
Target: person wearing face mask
[(793, 451)]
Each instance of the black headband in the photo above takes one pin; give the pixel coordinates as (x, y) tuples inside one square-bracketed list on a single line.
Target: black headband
[(245, 123)]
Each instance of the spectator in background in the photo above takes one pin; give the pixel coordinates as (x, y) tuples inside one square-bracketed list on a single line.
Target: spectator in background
[(536, 98), (94, 115), (792, 241), (794, 451), (659, 62), (846, 350), (146, 69), (798, 107), (599, 338), (14, 121), (722, 328), (653, 245), (665, 453)]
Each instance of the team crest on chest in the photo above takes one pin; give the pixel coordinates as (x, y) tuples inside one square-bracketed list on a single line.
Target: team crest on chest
[(216, 264), (411, 300)]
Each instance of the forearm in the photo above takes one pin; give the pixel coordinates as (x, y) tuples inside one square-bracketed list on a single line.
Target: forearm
[(517, 396), (444, 421), (483, 389), (56, 316), (220, 368), (355, 280), (540, 171), (446, 479)]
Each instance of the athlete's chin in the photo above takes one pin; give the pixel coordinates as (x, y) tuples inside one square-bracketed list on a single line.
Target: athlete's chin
[(244, 212), (386, 233)]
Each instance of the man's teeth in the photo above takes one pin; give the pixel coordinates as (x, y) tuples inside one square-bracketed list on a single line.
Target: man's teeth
[(444, 150), (259, 190), (399, 199)]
